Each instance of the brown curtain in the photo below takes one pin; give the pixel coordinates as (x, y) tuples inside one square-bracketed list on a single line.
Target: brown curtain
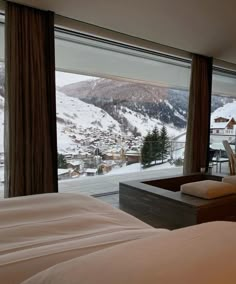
[(30, 114), (197, 137)]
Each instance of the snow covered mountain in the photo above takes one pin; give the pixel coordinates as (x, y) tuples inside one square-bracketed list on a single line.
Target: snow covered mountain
[(226, 111), (76, 119), (163, 104), (107, 110)]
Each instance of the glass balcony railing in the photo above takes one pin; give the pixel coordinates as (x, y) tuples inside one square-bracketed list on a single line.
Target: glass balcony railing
[(121, 159)]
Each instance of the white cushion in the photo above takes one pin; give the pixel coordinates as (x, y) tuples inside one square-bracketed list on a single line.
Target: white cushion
[(230, 179), (208, 189)]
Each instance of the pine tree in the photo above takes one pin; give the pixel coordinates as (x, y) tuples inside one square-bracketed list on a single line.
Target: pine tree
[(164, 143), (156, 148), (61, 161), (146, 151)]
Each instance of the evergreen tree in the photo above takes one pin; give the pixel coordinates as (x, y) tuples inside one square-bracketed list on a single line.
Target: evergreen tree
[(155, 145), (61, 161), (164, 143), (146, 151)]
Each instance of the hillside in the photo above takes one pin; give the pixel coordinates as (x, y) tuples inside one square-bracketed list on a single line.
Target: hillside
[(227, 111), (168, 106), (110, 109)]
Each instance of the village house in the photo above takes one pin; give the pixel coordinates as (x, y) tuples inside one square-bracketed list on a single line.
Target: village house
[(132, 156), (91, 172), (76, 165), (223, 126), (105, 168)]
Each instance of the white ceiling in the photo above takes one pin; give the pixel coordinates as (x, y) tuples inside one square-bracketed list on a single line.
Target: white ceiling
[(200, 26)]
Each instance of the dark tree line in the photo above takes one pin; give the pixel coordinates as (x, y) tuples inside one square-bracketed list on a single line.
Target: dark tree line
[(155, 147)]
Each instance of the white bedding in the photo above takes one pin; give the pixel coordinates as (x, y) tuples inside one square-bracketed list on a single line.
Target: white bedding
[(201, 254), (74, 239), (37, 232)]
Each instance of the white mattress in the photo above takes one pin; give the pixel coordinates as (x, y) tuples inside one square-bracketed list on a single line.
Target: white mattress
[(37, 232)]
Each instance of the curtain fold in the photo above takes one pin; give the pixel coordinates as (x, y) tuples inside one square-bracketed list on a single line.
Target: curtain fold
[(198, 125), (30, 109)]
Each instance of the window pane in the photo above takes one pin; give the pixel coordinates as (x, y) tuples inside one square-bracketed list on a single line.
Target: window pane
[(223, 116), (110, 126)]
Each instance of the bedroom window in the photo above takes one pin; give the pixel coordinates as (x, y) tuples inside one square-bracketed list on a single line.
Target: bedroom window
[(2, 91), (223, 118), (120, 111)]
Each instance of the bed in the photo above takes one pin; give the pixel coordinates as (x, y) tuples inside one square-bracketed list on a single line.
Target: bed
[(71, 238)]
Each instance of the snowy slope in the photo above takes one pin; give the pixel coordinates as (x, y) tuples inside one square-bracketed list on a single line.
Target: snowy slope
[(75, 118), (144, 123), (227, 111)]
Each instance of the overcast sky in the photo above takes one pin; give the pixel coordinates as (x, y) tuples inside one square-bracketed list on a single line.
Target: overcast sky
[(63, 78)]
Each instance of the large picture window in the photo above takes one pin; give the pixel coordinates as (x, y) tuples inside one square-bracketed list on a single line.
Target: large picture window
[(120, 111)]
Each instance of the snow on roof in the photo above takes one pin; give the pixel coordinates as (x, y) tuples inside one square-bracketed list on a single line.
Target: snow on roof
[(75, 163), (108, 154), (219, 125), (132, 153), (62, 171), (91, 171)]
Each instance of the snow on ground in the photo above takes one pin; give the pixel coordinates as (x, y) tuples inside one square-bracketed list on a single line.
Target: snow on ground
[(79, 113), (227, 111), (75, 116), (137, 167), (144, 123), (178, 153)]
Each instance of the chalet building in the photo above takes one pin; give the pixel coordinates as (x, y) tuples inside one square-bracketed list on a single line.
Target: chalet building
[(112, 156), (76, 165), (132, 156), (91, 172), (223, 126), (105, 168)]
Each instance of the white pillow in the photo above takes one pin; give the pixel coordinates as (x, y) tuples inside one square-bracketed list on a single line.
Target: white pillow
[(208, 189), (230, 179)]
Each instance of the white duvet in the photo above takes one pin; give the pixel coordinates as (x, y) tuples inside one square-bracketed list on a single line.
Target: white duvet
[(75, 239), (202, 254), (37, 232)]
